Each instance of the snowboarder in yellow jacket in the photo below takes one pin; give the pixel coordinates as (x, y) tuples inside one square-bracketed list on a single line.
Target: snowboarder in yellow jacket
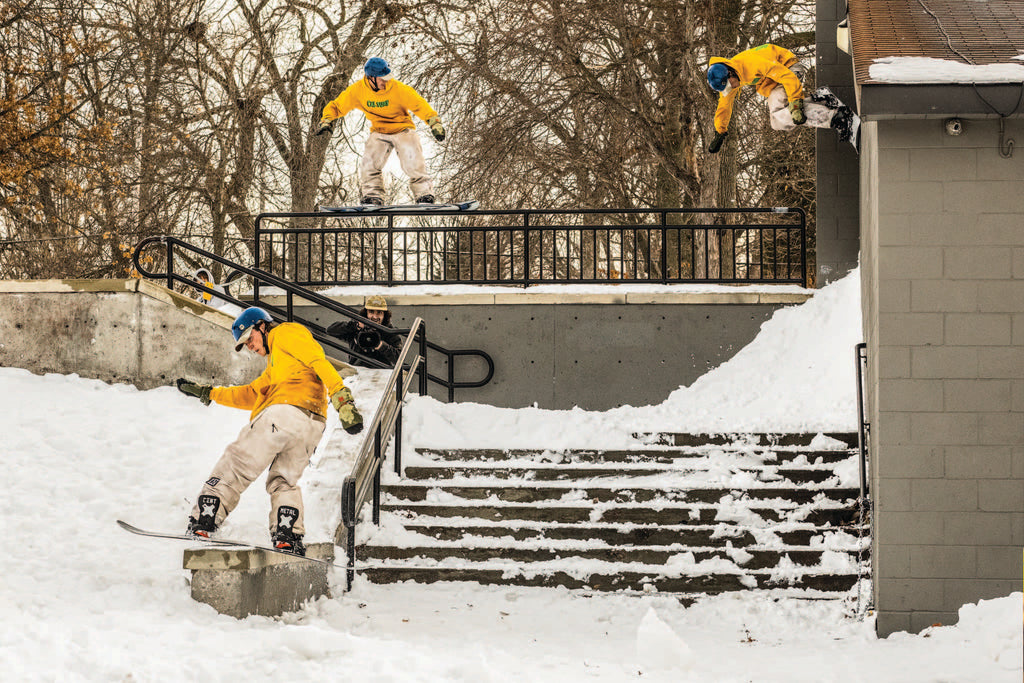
[(389, 105), (288, 404), (776, 75)]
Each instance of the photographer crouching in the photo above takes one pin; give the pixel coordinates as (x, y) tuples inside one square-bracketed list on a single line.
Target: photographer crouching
[(378, 345)]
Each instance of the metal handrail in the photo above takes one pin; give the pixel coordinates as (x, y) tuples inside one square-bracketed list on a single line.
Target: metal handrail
[(863, 426), (750, 257), (365, 476), (292, 291)]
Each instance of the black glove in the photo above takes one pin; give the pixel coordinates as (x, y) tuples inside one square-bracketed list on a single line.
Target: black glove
[(325, 127), (336, 329), (368, 339), (716, 143), (200, 391)]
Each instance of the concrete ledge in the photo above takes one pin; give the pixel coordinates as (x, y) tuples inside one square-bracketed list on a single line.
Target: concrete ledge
[(526, 297), (131, 331), (244, 581)]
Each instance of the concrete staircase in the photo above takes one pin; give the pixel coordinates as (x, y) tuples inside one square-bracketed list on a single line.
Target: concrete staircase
[(688, 514)]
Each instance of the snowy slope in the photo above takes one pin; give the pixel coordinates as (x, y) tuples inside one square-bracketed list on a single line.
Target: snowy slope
[(81, 600)]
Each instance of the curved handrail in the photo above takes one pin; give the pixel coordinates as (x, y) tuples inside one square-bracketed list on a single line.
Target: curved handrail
[(287, 313)]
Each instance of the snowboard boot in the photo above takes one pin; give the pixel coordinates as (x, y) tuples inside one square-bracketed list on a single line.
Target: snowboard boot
[(425, 199), (284, 537), (372, 201), (207, 522)]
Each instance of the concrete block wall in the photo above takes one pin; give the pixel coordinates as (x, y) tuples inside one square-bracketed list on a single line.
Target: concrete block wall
[(943, 281), (838, 179)]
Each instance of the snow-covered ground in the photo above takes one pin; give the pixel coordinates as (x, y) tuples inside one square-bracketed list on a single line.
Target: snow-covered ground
[(80, 600)]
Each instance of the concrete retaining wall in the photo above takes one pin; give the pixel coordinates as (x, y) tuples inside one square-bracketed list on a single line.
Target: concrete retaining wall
[(127, 331), (595, 351)]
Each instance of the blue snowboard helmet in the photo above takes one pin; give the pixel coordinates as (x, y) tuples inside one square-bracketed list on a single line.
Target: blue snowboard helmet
[(245, 323), (376, 68), (718, 76)]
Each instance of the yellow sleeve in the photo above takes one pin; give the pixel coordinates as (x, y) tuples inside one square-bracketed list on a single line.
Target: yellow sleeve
[(305, 349), (341, 105), (246, 396), (723, 114), (788, 80), (415, 103)]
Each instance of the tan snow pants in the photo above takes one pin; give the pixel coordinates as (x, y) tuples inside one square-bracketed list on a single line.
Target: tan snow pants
[(818, 115), (410, 155), (282, 437)]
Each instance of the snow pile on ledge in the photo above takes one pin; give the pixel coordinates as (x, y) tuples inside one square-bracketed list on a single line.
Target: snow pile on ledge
[(798, 374)]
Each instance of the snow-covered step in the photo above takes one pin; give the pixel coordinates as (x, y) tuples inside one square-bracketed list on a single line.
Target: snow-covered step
[(794, 534), (747, 559), (641, 456), (806, 439), (534, 493), (648, 579), (527, 473), (839, 516)]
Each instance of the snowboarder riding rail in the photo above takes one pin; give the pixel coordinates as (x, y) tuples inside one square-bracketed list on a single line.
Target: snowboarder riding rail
[(289, 404), (389, 104)]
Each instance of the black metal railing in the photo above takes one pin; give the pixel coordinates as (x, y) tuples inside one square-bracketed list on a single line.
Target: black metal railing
[(293, 292), (365, 476), (863, 425), (865, 507), (526, 247)]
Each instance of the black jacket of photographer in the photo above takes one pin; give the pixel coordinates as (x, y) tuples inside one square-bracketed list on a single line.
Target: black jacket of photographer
[(365, 340)]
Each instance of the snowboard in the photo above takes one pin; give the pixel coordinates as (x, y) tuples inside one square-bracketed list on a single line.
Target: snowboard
[(851, 131), (471, 205), (220, 541)]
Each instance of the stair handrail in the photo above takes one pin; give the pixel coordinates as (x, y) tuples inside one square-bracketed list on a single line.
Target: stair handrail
[(319, 332), (863, 426), (365, 475)]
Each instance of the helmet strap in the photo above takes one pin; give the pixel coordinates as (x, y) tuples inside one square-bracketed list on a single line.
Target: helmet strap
[(261, 328)]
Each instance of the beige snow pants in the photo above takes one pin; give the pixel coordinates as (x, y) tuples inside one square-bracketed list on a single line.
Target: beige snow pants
[(410, 155), (282, 437), (818, 115)]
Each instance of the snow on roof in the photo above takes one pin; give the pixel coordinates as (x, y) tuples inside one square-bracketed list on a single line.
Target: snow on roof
[(932, 70)]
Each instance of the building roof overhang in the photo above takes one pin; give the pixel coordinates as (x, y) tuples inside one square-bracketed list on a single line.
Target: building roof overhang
[(970, 36)]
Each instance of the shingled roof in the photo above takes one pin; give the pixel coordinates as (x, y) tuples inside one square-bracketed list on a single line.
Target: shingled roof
[(966, 33)]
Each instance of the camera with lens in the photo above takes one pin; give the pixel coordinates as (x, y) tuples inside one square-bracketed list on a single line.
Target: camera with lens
[(368, 339)]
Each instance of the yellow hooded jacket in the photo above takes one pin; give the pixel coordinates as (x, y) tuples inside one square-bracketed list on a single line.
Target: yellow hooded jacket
[(763, 67), (388, 109), (297, 373)]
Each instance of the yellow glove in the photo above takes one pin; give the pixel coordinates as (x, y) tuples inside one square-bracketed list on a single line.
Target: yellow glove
[(351, 420), (436, 128), (796, 109)]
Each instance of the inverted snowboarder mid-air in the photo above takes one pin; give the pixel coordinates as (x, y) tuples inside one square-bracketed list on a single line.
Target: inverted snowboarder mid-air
[(776, 74)]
